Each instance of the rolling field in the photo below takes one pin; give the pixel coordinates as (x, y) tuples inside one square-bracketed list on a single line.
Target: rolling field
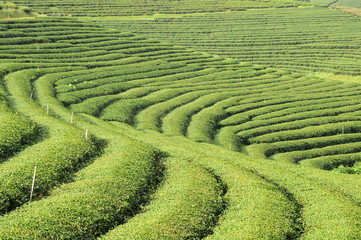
[(346, 3), (149, 7), (299, 39), (349, 3), (138, 139)]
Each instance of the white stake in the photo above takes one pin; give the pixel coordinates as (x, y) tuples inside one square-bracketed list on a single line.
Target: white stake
[(71, 118), (32, 186), (47, 109), (343, 129), (86, 133)]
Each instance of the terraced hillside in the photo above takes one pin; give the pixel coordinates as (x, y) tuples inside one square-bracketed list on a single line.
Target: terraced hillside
[(349, 3), (130, 129), (14, 11), (140, 7), (346, 3), (298, 39)]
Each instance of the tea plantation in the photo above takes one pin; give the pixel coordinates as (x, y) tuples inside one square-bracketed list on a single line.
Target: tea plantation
[(136, 138), (298, 39), (149, 7), (346, 3)]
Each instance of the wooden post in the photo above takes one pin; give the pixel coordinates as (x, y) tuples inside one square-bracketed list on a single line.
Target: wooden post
[(71, 118), (343, 129), (32, 186)]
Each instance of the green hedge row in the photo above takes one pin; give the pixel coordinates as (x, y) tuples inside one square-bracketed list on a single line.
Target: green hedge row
[(103, 195), (298, 156), (205, 124), (186, 206), (69, 98), (110, 71), (58, 157), (269, 149), (308, 106), (309, 132), (95, 105), (251, 200), (151, 118), (15, 132), (281, 128), (177, 121), (331, 162), (160, 71)]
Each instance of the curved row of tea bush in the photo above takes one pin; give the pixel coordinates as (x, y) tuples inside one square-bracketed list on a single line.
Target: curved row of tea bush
[(15, 131), (186, 206), (324, 204), (102, 196), (250, 199), (65, 146)]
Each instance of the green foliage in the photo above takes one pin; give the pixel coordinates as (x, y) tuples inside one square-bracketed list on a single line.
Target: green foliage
[(68, 154), (243, 107), (177, 121), (102, 196), (15, 132), (349, 3), (10, 5), (185, 206), (140, 7), (355, 169), (26, 9), (313, 39), (151, 117), (58, 157)]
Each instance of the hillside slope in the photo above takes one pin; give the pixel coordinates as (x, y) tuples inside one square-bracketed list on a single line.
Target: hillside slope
[(298, 39), (132, 125), (349, 3), (149, 7)]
